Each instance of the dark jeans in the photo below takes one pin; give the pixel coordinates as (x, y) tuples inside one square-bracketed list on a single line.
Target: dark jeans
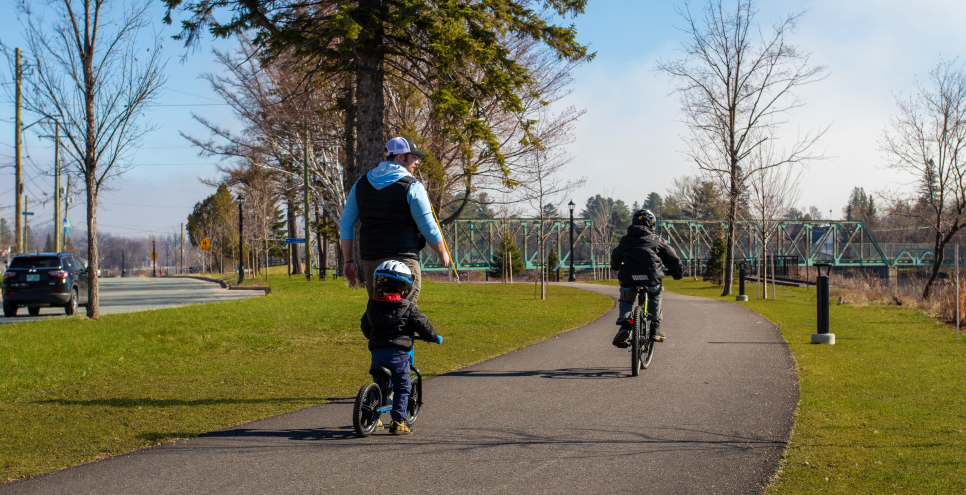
[(397, 361), (626, 303)]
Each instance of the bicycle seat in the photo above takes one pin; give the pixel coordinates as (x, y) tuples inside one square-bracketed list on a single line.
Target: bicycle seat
[(380, 370)]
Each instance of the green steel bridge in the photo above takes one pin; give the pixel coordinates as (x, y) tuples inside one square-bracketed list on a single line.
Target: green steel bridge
[(841, 243), (472, 243)]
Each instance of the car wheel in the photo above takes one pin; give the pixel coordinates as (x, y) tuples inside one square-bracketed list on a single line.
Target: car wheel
[(71, 307), (9, 310), (33, 311)]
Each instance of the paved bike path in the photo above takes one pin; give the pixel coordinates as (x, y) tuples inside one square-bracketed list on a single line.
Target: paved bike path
[(711, 415)]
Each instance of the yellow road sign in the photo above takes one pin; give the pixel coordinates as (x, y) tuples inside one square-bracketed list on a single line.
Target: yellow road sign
[(154, 256), (205, 244)]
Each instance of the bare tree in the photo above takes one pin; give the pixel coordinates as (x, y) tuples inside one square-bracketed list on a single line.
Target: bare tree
[(541, 185), (737, 82), (773, 192), (927, 141), (91, 74)]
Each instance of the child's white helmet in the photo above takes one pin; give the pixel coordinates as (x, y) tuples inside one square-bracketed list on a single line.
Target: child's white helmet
[(393, 276)]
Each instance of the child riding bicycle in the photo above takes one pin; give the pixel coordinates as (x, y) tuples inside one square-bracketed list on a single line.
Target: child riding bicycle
[(390, 323), (640, 259)]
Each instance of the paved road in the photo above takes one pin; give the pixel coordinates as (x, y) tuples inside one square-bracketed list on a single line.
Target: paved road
[(711, 415), (126, 295)]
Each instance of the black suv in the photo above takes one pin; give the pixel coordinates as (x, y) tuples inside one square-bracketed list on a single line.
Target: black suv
[(44, 280)]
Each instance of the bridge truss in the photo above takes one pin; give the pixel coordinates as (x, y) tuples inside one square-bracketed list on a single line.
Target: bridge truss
[(847, 243), (472, 243)]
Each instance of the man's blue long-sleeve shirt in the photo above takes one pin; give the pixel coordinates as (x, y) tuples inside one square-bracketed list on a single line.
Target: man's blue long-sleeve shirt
[(381, 177)]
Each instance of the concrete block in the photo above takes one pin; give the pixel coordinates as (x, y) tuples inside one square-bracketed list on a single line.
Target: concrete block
[(823, 338), (741, 298)]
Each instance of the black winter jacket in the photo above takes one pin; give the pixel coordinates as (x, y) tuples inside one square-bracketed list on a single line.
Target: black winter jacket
[(393, 323), (641, 256)]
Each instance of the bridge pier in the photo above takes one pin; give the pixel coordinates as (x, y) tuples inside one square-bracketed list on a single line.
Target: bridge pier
[(893, 277)]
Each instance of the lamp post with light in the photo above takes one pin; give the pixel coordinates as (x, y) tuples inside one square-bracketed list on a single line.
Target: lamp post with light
[(571, 206)]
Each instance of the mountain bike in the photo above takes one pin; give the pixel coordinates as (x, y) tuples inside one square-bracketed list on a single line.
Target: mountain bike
[(642, 347), (375, 399)]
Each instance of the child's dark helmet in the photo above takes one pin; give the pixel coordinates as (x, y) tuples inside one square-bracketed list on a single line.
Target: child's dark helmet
[(644, 218), (393, 276)]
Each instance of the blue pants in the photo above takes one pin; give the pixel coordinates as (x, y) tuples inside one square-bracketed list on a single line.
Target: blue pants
[(626, 303), (397, 361)]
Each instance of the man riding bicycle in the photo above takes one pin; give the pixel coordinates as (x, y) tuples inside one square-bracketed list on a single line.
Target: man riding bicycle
[(640, 259)]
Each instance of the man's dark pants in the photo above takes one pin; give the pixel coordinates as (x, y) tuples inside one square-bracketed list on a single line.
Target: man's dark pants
[(397, 361)]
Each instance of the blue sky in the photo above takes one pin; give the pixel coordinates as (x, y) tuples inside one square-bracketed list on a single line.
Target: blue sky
[(627, 145)]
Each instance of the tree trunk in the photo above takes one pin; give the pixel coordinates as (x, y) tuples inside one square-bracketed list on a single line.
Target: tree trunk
[(729, 272), (93, 301), (292, 214), (370, 81), (939, 256)]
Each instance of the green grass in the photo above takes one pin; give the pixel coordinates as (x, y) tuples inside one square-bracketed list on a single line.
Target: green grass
[(881, 411), (74, 389)]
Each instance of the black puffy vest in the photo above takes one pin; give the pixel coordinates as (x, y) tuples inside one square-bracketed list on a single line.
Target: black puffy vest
[(388, 228)]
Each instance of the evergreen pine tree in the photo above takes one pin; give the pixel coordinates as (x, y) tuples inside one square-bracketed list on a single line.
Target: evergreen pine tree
[(552, 260), (716, 260), (49, 244), (6, 234), (515, 262)]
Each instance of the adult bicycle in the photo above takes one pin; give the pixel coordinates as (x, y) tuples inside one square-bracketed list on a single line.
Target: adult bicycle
[(642, 346), (375, 399)]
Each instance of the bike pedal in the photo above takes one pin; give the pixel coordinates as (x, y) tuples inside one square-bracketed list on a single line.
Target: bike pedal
[(623, 345)]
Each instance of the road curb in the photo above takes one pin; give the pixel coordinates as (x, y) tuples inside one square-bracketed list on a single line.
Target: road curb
[(268, 290), (222, 283), (226, 285)]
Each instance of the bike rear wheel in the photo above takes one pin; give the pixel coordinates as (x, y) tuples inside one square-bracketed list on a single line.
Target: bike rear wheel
[(415, 399), (647, 347), (636, 337), (365, 412)]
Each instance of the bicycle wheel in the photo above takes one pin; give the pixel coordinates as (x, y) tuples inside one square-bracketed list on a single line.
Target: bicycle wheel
[(636, 333), (647, 349), (412, 409), (365, 412)]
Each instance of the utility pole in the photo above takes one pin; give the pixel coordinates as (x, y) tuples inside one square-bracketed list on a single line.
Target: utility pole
[(24, 233), (20, 220), (308, 231), (182, 248), (154, 260), (241, 236), (67, 202), (58, 245), (122, 263)]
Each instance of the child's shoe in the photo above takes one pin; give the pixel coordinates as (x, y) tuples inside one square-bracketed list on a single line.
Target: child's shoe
[(379, 425), (399, 428)]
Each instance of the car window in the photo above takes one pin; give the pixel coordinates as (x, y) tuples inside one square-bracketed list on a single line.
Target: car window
[(74, 262), (35, 262)]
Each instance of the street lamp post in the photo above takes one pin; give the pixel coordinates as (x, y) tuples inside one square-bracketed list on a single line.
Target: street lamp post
[(241, 234), (571, 206)]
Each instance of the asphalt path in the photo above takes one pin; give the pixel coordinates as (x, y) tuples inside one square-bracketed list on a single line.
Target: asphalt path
[(126, 295), (711, 415)]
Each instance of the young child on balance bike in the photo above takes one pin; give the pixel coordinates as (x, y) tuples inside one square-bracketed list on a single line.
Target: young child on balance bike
[(640, 259), (390, 323)]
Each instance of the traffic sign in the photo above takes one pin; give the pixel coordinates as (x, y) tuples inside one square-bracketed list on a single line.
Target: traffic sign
[(26, 213), (294, 240), (154, 256), (205, 244)]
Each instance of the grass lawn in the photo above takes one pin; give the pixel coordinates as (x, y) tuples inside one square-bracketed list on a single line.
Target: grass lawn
[(881, 411), (72, 390)]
